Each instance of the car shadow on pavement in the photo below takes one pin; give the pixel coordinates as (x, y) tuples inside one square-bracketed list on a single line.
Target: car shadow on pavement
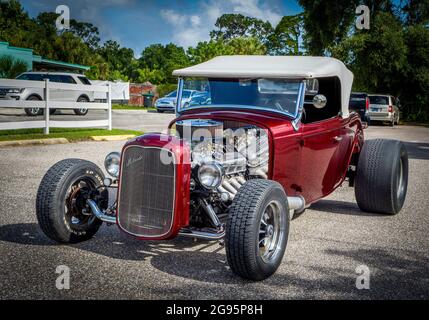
[(341, 207), (177, 257), (398, 274), (417, 150)]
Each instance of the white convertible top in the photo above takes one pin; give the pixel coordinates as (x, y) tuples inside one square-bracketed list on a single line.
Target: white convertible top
[(298, 67)]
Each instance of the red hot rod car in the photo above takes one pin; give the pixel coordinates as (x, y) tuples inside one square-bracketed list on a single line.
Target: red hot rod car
[(270, 136)]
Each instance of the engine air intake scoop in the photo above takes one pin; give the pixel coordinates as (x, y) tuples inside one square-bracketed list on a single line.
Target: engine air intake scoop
[(197, 130)]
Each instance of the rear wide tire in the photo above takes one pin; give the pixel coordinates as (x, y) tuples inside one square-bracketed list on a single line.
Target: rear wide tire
[(382, 176)]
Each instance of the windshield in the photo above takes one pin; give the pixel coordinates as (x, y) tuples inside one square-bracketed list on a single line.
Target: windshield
[(379, 100), (278, 95), (185, 94), (357, 101), (31, 76)]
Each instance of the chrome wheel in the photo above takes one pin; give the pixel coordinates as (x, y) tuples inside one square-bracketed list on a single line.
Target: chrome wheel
[(75, 204), (270, 232), (401, 181)]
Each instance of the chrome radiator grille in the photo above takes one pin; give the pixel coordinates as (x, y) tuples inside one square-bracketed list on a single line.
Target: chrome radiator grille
[(147, 192)]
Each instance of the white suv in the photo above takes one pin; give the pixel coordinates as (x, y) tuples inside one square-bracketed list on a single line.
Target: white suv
[(384, 108), (55, 94)]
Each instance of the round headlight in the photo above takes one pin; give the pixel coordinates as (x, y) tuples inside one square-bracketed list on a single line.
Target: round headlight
[(210, 175), (111, 163)]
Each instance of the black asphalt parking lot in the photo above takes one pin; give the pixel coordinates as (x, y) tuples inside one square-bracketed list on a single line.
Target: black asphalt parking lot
[(327, 243)]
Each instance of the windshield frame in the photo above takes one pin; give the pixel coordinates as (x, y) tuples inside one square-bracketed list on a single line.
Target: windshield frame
[(295, 116)]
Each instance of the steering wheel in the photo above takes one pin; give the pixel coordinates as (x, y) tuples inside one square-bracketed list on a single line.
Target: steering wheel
[(278, 106), (279, 103)]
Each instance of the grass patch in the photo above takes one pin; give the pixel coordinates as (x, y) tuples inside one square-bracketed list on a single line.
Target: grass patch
[(69, 134), (128, 107)]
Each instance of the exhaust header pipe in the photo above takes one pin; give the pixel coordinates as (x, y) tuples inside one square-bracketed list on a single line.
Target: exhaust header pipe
[(99, 214)]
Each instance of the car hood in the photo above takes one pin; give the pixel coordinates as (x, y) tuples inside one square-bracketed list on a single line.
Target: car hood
[(165, 99), (171, 99), (269, 120)]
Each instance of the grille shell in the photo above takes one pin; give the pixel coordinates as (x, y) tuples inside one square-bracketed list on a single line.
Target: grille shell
[(146, 201)]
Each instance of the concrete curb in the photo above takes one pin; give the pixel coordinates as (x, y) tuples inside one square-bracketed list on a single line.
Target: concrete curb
[(50, 141), (14, 143), (129, 111), (113, 138)]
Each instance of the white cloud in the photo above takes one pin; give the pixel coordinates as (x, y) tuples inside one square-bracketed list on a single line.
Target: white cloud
[(257, 9), (189, 29), (195, 21), (173, 18)]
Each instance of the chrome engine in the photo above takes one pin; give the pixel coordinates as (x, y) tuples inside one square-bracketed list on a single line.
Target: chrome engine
[(243, 153)]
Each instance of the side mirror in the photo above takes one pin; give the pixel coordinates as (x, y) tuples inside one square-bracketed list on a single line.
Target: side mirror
[(319, 101)]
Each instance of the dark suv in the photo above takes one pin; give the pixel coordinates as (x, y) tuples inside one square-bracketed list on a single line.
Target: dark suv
[(359, 102)]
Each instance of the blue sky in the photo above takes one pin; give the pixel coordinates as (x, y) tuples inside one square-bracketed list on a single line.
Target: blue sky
[(137, 24)]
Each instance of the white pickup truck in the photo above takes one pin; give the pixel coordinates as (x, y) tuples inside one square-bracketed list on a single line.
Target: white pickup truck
[(55, 94)]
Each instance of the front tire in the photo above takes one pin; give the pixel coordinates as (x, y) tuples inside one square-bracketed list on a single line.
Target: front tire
[(382, 176), (33, 112), (61, 206), (81, 111), (257, 229)]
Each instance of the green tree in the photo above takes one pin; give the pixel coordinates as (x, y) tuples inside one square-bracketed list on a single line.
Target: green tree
[(46, 21), (207, 50), (326, 23), (283, 39), (10, 68), (15, 25), (246, 46), (87, 32), (153, 76), (233, 25), (416, 12), (119, 59), (71, 49), (100, 69), (286, 36), (378, 56), (415, 81), (164, 58)]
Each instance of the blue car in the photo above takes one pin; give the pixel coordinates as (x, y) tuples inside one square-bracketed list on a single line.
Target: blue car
[(168, 103)]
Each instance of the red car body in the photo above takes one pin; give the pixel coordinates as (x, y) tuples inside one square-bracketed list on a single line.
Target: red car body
[(310, 162)]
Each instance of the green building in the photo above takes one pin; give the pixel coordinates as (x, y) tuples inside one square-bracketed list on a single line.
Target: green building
[(37, 63)]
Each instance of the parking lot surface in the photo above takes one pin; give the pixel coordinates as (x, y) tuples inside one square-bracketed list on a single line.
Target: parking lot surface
[(327, 243)]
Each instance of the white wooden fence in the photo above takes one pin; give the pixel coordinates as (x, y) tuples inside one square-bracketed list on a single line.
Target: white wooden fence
[(48, 104)]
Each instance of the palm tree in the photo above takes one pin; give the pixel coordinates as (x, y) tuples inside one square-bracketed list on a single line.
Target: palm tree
[(10, 68)]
